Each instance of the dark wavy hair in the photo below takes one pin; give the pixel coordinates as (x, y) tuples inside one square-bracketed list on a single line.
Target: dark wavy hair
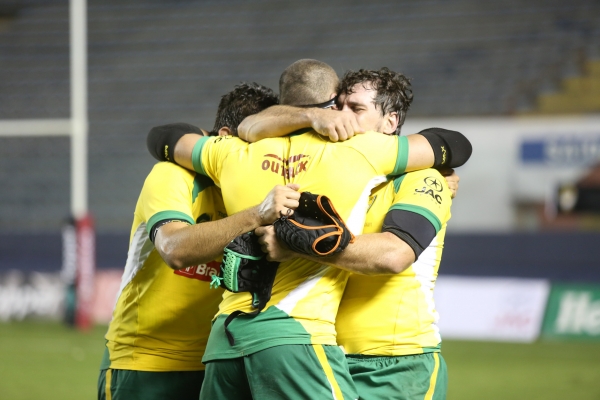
[(394, 93), (245, 99)]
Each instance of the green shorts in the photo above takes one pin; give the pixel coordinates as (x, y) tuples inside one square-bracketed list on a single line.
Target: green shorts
[(120, 384), (281, 372), (420, 376)]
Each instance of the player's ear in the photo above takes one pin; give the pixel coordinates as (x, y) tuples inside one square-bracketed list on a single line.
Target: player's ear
[(390, 123), (225, 131)]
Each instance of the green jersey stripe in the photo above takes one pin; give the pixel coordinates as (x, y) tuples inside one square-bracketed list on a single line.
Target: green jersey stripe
[(398, 182), (201, 182), (197, 155), (421, 211), (402, 158), (163, 215)]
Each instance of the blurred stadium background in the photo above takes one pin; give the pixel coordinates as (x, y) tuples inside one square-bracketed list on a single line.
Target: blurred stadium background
[(519, 288)]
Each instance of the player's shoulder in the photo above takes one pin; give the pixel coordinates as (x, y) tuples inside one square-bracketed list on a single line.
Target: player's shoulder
[(371, 137), (221, 141), (228, 140), (371, 143), (167, 168), (424, 172), (426, 188), (166, 174), (418, 178), (224, 139), (308, 134)]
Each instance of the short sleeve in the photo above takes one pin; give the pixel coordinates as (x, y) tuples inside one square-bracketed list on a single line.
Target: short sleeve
[(167, 194), (388, 154), (210, 152), (424, 192)]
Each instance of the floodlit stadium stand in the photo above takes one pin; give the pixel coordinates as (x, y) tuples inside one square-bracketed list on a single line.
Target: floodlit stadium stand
[(153, 62)]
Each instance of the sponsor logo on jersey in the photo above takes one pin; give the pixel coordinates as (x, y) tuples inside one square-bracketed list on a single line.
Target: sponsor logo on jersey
[(434, 183), (288, 168), (202, 272), (218, 139), (432, 187)]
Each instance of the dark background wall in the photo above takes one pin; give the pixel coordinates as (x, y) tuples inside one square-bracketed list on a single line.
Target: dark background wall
[(158, 61)]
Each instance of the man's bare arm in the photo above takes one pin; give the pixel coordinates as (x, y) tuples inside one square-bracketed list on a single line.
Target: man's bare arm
[(370, 254), (184, 149), (181, 245), (420, 153), (277, 121)]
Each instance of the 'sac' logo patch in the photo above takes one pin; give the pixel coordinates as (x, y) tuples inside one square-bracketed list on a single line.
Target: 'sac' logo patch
[(434, 183), (288, 168), (202, 272), (432, 188)]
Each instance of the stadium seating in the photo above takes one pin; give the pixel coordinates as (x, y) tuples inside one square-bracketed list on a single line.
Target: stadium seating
[(158, 61), (579, 94)]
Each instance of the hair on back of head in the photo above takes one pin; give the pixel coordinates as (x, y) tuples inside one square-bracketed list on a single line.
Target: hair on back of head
[(244, 100), (307, 81), (394, 92)]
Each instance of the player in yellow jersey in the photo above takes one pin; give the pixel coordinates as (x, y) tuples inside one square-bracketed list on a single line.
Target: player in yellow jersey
[(160, 325), (289, 350), (388, 322)]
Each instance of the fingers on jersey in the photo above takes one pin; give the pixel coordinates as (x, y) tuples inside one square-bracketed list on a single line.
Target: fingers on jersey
[(161, 139), (450, 148), (414, 229), (278, 202)]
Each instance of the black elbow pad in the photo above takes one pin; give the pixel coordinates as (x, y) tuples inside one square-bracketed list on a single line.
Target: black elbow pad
[(412, 228), (162, 139), (450, 148)]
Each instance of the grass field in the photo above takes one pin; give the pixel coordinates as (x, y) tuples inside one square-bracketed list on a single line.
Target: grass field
[(49, 361)]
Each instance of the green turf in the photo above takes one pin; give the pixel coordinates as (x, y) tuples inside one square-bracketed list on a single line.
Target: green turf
[(543, 370), (49, 361)]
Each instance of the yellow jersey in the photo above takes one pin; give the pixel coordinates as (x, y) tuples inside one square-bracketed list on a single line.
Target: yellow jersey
[(394, 315), (305, 294), (162, 317)]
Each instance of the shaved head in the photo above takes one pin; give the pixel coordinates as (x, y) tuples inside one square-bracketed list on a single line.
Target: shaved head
[(307, 82)]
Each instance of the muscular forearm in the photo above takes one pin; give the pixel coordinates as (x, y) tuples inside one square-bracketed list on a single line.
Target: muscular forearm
[(372, 254), (275, 121), (181, 247)]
